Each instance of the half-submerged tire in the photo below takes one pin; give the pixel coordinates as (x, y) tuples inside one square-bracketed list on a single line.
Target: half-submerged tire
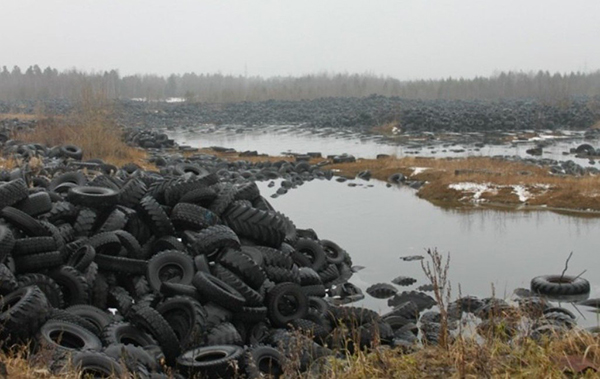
[(557, 285)]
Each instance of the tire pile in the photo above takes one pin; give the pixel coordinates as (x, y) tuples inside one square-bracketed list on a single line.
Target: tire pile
[(161, 274)]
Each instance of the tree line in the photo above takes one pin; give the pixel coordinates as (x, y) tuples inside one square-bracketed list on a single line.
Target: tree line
[(49, 83)]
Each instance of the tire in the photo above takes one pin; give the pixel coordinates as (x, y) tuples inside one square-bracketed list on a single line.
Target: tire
[(119, 298), (180, 188), (8, 281), (132, 192), (22, 312), (119, 264), (35, 204), (13, 192), (62, 211), (192, 217), (210, 361), (124, 332), (167, 243), (170, 266), (244, 267), (74, 287), (253, 298), (93, 197), (84, 223), (38, 262), (199, 196), (286, 302), (247, 191), (265, 227), (98, 317), (116, 220), (553, 285), (264, 361), (150, 321), (213, 289), (313, 251), (96, 365), (130, 243), (156, 217), (187, 318), (47, 285), (274, 257), (81, 258), (29, 225), (333, 253), (71, 151), (214, 239), (57, 335), (282, 275), (7, 242), (135, 359), (225, 196), (224, 334), (66, 316)]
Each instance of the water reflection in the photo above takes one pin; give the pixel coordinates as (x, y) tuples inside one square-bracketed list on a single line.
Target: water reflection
[(491, 250)]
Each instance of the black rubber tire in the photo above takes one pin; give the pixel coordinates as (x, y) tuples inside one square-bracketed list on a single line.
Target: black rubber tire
[(170, 266), (167, 243), (210, 361), (12, 192), (264, 361), (247, 191), (38, 262), (199, 196), (76, 178), (98, 317), (74, 287), (66, 316), (286, 302), (187, 318), (151, 321), (35, 204), (58, 335), (555, 285), (119, 264), (213, 289), (93, 197), (282, 275), (22, 312), (309, 277), (187, 216), (132, 192), (47, 285), (119, 298), (130, 243), (124, 332), (180, 188), (313, 251), (96, 365), (8, 281), (85, 221), (253, 298), (62, 211), (274, 257), (21, 220), (71, 151), (115, 221), (214, 239), (7, 242), (333, 252), (225, 197), (135, 359), (266, 227), (156, 217), (244, 267), (81, 258), (106, 243), (224, 334)]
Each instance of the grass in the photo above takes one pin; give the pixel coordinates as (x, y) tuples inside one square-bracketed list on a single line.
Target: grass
[(554, 191), (91, 127)]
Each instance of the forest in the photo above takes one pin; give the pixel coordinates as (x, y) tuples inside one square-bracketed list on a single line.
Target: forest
[(35, 83)]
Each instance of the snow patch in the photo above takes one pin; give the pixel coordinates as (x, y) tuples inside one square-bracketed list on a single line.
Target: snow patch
[(521, 192), (477, 189), (418, 170)]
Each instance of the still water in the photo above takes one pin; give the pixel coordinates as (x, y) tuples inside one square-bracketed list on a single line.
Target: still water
[(490, 250), (275, 140)]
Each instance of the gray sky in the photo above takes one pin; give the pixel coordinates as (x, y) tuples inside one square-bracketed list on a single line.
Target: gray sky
[(406, 39)]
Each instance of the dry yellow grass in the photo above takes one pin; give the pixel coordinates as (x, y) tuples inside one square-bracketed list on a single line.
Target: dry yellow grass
[(568, 192), (92, 128), (20, 116)]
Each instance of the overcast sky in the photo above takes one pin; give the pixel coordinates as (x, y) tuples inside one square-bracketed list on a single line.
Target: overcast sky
[(406, 39)]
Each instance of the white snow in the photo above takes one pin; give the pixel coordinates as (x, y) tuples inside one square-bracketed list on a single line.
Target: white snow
[(418, 170), (477, 189), (521, 192)]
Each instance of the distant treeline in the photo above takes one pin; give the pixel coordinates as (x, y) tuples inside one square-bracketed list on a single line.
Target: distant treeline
[(37, 84)]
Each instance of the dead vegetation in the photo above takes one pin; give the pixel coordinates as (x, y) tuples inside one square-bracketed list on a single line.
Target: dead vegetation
[(90, 127), (501, 176)]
